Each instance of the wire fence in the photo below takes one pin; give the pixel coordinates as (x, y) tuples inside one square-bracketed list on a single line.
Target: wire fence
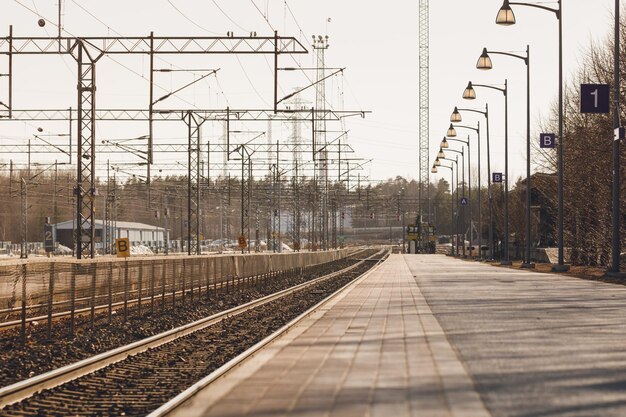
[(35, 292)]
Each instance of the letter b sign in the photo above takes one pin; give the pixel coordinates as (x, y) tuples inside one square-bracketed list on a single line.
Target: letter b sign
[(122, 246), (547, 140)]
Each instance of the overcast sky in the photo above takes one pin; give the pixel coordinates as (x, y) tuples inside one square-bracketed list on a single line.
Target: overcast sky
[(376, 41)]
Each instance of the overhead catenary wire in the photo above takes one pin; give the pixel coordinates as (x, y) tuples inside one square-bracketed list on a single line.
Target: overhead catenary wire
[(106, 56), (193, 22), (265, 17)]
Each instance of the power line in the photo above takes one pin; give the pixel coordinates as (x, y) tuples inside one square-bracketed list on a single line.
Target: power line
[(108, 56), (262, 14), (228, 17), (96, 17), (189, 19)]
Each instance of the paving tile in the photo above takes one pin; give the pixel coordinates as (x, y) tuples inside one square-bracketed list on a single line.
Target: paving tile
[(369, 354)]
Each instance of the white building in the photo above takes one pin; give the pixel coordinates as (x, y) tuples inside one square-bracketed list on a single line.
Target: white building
[(137, 233)]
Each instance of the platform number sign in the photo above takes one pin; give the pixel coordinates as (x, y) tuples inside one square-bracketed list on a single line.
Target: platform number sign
[(547, 140), (595, 98), (122, 247), (497, 177), (48, 241)]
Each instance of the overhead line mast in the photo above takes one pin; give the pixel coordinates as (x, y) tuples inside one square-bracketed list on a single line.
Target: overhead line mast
[(424, 165), (424, 217)]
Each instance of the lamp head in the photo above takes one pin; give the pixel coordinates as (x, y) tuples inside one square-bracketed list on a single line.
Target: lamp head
[(469, 93), (456, 116), (484, 62), (451, 132), (444, 143), (505, 15), (440, 154), (437, 162), (433, 169)]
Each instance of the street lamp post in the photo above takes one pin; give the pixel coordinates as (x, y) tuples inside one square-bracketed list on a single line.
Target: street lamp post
[(458, 209), (456, 116), (470, 94), (401, 215), (441, 156), (616, 240), (452, 214), (452, 133), (506, 17), (445, 145), (484, 63)]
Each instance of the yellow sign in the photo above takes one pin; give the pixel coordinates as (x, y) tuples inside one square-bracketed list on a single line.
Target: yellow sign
[(122, 247)]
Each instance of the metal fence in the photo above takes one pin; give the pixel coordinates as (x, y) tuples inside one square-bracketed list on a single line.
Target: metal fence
[(37, 292)]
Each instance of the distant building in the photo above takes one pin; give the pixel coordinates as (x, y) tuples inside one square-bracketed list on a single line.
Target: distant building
[(137, 233)]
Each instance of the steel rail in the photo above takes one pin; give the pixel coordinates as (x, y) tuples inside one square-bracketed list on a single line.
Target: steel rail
[(190, 392), (24, 389)]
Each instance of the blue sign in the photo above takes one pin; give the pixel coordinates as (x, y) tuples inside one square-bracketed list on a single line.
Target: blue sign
[(595, 98), (547, 140), (464, 201), (497, 177)]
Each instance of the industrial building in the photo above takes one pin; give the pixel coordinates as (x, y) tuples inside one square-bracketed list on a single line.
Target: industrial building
[(137, 233)]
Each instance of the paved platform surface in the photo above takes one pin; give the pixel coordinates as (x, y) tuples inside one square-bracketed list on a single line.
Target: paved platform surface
[(377, 350), (423, 334), (534, 344)]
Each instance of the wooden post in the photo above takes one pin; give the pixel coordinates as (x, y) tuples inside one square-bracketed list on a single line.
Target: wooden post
[(73, 298), (50, 299), (92, 295), (110, 285), (23, 327), (152, 287), (139, 287), (125, 289)]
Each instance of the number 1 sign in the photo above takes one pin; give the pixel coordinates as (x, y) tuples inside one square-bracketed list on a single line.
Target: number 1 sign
[(595, 98)]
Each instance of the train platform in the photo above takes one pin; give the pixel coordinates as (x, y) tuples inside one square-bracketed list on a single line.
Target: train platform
[(374, 350)]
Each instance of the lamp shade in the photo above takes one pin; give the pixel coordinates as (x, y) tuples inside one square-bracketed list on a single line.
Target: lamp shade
[(433, 169), (437, 162), (484, 62), (451, 132), (505, 15), (440, 154), (469, 93), (456, 116), (444, 144)]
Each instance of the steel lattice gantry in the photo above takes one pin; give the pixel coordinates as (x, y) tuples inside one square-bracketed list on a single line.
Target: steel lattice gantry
[(85, 190), (115, 148), (193, 184), (87, 51), (131, 115), (194, 119), (424, 166)]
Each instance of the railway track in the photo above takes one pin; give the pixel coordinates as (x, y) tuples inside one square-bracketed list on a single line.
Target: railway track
[(138, 378), (45, 351)]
